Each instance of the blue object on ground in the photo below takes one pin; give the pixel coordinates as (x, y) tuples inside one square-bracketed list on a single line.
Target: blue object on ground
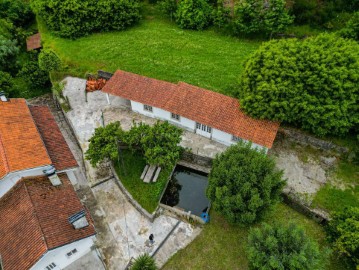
[(205, 217)]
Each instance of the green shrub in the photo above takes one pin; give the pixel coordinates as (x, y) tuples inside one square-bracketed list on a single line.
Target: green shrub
[(221, 15), (16, 11), (169, 7), (261, 17), (244, 184), (75, 18), (281, 247), (8, 53), (6, 82), (33, 75), (312, 84), (343, 232), (193, 14), (144, 262), (351, 30), (49, 61)]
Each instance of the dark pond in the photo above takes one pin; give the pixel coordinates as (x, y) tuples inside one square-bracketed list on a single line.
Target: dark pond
[(187, 190)]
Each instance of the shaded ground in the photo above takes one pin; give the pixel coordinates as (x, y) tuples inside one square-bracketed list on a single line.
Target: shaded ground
[(90, 261)]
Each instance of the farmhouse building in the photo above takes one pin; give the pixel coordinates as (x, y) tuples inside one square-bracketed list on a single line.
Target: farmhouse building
[(35, 229), (204, 112), (43, 224), (30, 142)]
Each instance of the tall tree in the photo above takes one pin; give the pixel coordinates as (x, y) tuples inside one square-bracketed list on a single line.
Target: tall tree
[(312, 83), (244, 183), (283, 247)]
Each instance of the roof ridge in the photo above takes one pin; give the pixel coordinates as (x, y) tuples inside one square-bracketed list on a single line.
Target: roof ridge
[(3, 155), (35, 214), (38, 131)]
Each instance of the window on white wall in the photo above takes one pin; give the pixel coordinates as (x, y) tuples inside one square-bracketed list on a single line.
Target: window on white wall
[(236, 139), (147, 108), (204, 127), (50, 266), (72, 252), (175, 116)]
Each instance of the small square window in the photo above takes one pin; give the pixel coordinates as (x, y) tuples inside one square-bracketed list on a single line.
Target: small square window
[(236, 139), (209, 129), (147, 108), (175, 116), (50, 266)]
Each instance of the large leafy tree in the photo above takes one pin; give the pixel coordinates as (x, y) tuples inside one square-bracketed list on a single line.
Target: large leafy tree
[(312, 83), (283, 247), (104, 143), (244, 183), (17, 12), (159, 143), (261, 17), (343, 231), (193, 14), (75, 18)]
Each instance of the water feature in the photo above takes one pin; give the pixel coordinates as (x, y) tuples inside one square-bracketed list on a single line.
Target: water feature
[(187, 190)]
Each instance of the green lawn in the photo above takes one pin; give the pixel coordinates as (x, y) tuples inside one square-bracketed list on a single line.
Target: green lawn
[(146, 194), (223, 246), (157, 48)]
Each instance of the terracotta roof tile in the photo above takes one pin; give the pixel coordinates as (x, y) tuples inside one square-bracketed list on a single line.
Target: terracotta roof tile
[(34, 218), (33, 42), (55, 143), (198, 104), (21, 146)]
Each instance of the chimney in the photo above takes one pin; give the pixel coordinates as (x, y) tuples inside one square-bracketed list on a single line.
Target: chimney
[(2, 96), (53, 177), (79, 220)]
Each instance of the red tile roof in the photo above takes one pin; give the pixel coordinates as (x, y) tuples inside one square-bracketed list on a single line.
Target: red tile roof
[(33, 42), (34, 219), (201, 105), (21, 146), (55, 143)]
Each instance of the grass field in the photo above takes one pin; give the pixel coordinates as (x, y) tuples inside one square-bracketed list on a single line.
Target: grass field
[(157, 48), (147, 195), (223, 246)]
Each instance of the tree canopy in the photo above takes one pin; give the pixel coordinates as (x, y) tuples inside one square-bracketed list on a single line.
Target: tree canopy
[(283, 247), (193, 14), (158, 143), (75, 18), (351, 30), (343, 231), (311, 83), (266, 17), (244, 183)]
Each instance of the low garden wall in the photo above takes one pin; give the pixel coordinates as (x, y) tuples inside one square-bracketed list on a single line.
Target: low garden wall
[(306, 139), (181, 213)]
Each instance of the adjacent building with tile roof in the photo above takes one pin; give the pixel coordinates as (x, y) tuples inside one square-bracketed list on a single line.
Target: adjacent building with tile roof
[(30, 142), (35, 229), (205, 112)]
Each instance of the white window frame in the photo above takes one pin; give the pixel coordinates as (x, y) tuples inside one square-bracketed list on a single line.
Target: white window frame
[(50, 266), (175, 116), (203, 127), (72, 252), (147, 108), (236, 139)]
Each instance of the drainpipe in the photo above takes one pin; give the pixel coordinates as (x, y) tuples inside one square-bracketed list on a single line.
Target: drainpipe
[(108, 99)]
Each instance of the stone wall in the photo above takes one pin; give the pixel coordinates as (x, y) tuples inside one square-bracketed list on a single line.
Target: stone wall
[(305, 139), (193, 158)]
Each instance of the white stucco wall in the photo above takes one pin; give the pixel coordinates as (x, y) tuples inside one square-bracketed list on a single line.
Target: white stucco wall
[(226, 139), (11, 179), (164, 115), (58, 255), (216, 135), (116, 101)]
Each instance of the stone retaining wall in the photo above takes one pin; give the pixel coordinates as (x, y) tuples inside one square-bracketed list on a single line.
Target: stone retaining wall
[(306, 139), (200, 160)]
